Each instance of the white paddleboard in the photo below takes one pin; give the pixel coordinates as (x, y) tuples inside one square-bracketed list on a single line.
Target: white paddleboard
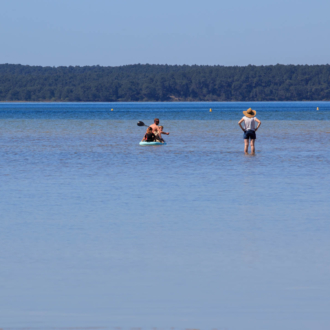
[(144, 143)]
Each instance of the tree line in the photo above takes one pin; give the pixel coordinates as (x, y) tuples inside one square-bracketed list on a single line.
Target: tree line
[(145, 82)]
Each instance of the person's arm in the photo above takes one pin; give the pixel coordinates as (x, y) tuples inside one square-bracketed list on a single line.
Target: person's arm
[(165, 133), (240, 124), (259, 123)]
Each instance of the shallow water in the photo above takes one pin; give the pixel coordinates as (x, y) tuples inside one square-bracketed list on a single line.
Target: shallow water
[(99, 231)]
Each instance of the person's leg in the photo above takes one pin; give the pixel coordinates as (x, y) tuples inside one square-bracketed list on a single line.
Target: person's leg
[(252, 146), (246, 146)]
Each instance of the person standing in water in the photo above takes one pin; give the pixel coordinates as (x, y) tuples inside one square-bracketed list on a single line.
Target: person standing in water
[(249, 129)]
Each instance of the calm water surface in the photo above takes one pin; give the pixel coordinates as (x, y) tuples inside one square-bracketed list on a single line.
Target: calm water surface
[(98, 231)]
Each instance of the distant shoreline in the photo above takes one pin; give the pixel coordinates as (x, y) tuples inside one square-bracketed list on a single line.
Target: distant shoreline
[(165, 83)]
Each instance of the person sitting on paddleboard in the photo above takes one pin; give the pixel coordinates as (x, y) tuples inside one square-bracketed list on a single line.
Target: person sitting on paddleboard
[(155, 126), (159, 135), (249, 129), (149, 136)]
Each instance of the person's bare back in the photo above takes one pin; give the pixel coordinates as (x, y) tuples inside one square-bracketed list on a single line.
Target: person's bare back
[(154, 126), (156, 129)]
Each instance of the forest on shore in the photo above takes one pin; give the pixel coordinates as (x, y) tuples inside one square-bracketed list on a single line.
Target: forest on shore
[(146, 82)]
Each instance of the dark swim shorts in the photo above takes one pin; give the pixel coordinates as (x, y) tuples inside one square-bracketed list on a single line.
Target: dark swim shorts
[(249, 135)]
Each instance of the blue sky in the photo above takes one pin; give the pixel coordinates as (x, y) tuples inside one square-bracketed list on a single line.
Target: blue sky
[(111, 32)]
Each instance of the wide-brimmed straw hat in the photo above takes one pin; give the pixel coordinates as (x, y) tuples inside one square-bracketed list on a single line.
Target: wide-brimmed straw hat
[(250, 113)]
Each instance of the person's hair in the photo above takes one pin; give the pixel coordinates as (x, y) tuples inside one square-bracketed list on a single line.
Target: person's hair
[(161, 127), (149, 129), (156, 119)]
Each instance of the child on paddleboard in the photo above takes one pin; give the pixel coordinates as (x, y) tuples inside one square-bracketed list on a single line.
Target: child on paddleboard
[(149, 136), (159, 134)]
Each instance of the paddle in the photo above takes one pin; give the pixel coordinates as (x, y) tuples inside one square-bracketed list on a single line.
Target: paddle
[(141, 123)]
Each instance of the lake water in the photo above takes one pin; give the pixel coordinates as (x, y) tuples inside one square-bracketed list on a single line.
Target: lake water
[(97, 231)]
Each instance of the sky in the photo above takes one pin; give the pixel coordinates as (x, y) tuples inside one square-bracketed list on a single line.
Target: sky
[(204, 32)]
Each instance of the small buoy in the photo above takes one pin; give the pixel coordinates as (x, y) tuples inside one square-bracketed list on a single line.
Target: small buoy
[(210, 110), (111, 109), (317, 108)]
